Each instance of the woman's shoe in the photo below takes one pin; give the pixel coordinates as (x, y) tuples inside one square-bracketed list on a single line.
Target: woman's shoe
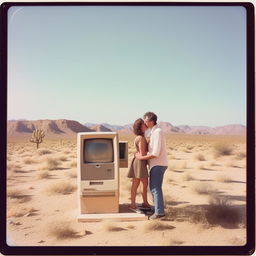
[(148, 206), (136, 210)]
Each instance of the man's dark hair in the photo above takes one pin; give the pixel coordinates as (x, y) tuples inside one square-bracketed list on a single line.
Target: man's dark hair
[(151, 116)]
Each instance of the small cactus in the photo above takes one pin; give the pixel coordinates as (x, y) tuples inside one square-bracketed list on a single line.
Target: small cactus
[(37, 137)]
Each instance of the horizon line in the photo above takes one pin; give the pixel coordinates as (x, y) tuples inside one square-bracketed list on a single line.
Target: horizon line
[(102, 123)]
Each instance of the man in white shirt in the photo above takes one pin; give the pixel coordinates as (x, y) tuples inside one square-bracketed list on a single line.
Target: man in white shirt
[(158, 162)]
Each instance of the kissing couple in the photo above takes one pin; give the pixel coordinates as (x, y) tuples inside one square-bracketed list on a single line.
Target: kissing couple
[(149, 164)]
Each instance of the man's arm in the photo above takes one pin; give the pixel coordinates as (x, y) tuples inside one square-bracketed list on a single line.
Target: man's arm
[(147, 157)]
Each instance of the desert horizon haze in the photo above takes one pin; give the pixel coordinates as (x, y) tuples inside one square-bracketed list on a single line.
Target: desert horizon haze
[(63, 127)]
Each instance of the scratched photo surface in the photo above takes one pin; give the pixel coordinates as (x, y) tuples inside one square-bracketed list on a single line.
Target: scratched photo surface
[(99, 68)]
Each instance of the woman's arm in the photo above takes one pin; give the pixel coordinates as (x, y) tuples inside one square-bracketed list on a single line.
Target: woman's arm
[(146, 157)]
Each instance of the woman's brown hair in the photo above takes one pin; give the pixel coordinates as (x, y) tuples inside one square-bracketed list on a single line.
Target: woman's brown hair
[(137, 127)]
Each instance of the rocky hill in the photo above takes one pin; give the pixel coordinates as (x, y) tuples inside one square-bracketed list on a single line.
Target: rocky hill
[(69, 128), (61, 127)]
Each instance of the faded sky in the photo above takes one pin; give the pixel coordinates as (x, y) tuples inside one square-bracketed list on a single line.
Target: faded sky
[(111, 64)]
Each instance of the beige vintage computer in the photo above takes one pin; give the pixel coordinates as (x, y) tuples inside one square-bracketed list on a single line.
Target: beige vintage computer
[(100, 155)]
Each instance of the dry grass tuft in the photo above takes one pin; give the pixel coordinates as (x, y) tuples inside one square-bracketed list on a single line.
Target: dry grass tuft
[(67, 152), (20, 212), (222, 149), (187, 177), (199, 157), (213, 163), (156, 225), (240, 155), (12, 166), (14, 193), (172, 166), (131, 227), (61, 187), (50, 164), (223, 178), (230, 163), (201, 167), (73, 164), (61, 230), (203, 188), (109, 226), (222, 212), (42, 175), (29, 160), (43, 151), (63, 158)]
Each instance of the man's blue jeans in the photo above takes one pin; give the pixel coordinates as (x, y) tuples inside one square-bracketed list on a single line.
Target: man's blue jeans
[(155, 185)]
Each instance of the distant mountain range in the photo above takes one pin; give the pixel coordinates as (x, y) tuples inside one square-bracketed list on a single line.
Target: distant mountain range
[(69, 128)]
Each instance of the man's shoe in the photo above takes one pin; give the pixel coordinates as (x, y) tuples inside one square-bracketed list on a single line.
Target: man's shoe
[(156, 216)]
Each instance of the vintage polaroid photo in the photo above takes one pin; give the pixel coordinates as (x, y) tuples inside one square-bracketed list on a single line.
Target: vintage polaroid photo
[(128, 128)]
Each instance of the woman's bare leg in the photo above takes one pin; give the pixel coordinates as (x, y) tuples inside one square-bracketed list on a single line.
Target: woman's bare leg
[(145, 191), (135, 184)]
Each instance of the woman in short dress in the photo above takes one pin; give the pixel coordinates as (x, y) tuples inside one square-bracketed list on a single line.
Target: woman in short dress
[(138, 169)]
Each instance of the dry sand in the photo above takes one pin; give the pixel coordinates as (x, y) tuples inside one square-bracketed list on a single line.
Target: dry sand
[(205, 196)]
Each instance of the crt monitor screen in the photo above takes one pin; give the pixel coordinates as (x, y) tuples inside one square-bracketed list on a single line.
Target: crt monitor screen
[(98, 151)]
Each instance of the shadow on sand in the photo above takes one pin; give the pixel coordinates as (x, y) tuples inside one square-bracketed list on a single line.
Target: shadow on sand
[(220, 212)]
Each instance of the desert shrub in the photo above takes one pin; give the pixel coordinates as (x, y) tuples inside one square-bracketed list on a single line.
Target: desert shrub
[(13, 166), (29, 160), (222, 212), (109, 226), (50, 164), (201, 167), (61, 230), (240, 155), (172, 166), (222, 149), (20, 211), (42, 175), (156, 225), (199, 157), (73, 164), (14, 193), (231, 163), (186, 150), (61, 187), (63, 158), (203, 188), (187, 177), (213, 163), (43, 152), (130, 227)]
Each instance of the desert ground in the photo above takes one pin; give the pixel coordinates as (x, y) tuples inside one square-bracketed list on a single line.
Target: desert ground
[(204, 189)]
